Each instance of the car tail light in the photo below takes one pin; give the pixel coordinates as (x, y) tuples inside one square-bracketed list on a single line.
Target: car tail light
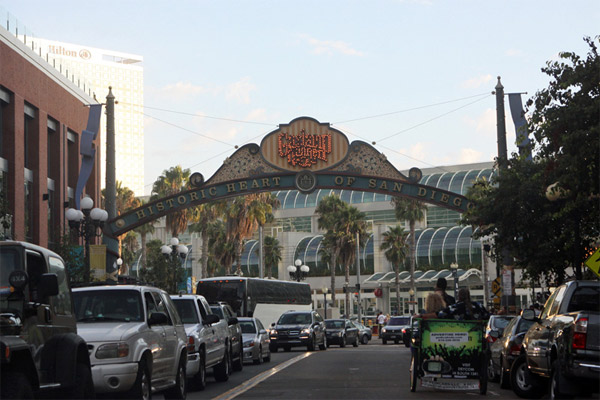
[(491, 339), (515, 349), (580, 333), (191, 346)]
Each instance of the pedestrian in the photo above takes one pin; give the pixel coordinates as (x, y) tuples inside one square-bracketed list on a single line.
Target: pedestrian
[(464, 308), (440, 287), (380, 322)]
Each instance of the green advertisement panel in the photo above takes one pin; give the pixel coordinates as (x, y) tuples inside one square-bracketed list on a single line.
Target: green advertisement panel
[(457, 345)]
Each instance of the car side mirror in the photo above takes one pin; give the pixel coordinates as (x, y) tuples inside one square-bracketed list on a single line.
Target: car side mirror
[(528, 315), (48, 285), (232, 321), (262, 332), (272, 324), (495, 334), (158, 318), (211, 319)]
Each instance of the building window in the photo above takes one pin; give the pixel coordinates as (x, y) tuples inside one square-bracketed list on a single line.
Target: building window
[(29, 135), (29, 216), (4, 101)]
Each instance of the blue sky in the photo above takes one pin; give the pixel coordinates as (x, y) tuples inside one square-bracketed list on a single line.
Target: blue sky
[(422, 70)]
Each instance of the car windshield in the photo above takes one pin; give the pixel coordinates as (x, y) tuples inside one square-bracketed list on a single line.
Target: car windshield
[(108, 305), (294, 319), (585, 298), (500, 322), (248, 327), (338, 324), (9, 261), (186, 310), (399, 321)]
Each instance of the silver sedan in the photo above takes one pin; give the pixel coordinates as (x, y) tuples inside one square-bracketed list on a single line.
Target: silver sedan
[(256, 340)]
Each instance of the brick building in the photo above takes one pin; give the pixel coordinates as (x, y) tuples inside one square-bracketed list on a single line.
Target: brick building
[(42, 116)]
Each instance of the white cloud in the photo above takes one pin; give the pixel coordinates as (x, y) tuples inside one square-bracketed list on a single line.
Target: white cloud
[(180, 90), (240, 90), (477, 81), (513, 53), (468, 156), (330, 47), (484, 123)]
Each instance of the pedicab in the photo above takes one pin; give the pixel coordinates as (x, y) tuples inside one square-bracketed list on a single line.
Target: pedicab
[(448, 354)]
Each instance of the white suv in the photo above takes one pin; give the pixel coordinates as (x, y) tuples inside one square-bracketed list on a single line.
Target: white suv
[(136, 340), (208, 336)]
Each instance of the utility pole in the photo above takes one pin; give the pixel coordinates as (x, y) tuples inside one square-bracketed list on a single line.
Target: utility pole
[(112, 245), (358, 275)]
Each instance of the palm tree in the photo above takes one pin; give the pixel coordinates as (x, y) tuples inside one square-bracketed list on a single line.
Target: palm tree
[(125, 200), (143, 231), (222, 251), (173, 181), (327, 209), (411, 211), (204, 215), (395, 246), (272, 253), (350, 221)]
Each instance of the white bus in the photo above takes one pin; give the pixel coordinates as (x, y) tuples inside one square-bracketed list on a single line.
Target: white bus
[(265, 299)]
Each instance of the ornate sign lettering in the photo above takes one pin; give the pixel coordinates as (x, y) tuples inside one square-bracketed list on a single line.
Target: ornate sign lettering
[(304, 149)]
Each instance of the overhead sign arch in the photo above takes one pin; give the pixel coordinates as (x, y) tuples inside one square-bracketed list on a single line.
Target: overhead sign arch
[(303, 155)]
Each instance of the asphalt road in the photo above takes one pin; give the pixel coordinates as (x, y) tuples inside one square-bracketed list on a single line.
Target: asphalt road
[(372, 371)]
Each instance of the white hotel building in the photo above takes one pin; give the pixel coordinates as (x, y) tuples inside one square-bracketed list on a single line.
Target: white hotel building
[(95, 70)]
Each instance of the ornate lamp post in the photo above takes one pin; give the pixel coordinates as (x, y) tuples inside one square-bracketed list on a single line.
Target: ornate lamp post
[(175, 253), (87, 223), (325, 290), (298, 271), (454, 268)]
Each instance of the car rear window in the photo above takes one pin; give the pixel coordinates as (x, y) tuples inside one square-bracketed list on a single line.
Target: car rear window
[(247, 327), (585, 298), (524, 326), (334, 324), (186, 310), (501, 322)]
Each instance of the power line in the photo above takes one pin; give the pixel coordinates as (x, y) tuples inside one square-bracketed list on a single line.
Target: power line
[(210, 117), (188, 130), (411, 109)]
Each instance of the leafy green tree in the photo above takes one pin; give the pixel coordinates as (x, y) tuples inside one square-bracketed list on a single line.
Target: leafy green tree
[(222, 251), (412, 211), (203, 216), (160, 271), (395, 246), (545, 237), (272, 254)]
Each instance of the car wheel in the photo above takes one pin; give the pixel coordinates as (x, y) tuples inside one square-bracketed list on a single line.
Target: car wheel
[(222, 369), (364, 339), (84, 384), (414, 373), (343, 342), (324, 345), (199, 380), (142, 388), (523, 382), (491, 373), (15, 385), (259, 360), (179, 391), (555, 383), (311, 344), (238, 364)]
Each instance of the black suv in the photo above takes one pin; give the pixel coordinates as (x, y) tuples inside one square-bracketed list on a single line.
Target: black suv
[(39, 346), (298, 328)]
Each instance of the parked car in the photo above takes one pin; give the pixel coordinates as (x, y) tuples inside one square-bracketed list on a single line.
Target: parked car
[(298, 328), (341, 332), (395, 329), (236, 348), (41, 349), (563, 344), (256, 340), (496, 323), (136, 340), (208, 339), (364, 332), (505, 349)]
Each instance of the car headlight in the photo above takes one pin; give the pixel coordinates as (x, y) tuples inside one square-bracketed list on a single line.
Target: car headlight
[(340, 334), (305, 331), (383, 330), (273, 332), (113, 350), (249, 343)]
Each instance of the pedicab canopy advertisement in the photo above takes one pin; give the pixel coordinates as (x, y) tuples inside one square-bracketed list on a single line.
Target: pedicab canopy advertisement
[(458, 345)]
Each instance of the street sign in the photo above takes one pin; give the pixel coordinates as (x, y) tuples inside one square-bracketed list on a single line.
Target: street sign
[(593, 262), (497, 287), (507, 282)]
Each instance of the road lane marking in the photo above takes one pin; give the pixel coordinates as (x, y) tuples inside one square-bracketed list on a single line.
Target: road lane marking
[(250, 383)]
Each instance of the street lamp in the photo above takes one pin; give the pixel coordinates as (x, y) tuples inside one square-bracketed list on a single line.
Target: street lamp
[(325, 290), (175, 253), (454, 268), (298, 271), (411, 293), (87, 223)]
